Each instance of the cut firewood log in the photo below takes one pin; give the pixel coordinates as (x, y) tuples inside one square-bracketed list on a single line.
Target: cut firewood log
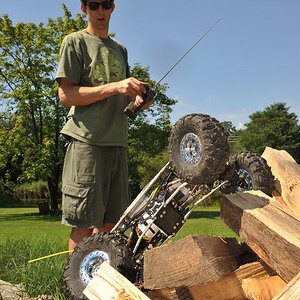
[(108, 283), (267, 227), (231, 285), (264, 288), (287, 177), (179, 293), (291, 290), (191, 260)]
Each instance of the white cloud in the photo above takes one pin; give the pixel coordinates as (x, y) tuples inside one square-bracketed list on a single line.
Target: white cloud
[(210, 98), (233, 116), (185, 104), (240, 126)]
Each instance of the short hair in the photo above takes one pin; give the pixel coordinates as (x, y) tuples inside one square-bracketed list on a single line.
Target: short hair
[(84, 2)]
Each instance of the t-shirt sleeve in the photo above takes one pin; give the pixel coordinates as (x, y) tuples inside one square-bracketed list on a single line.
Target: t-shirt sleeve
[(70, 62)]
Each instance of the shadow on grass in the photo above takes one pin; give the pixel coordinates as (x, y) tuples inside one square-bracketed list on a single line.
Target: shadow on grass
[(31, 217), (204, 214)]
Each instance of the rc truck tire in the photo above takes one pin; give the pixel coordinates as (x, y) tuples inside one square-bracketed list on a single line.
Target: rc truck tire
[(88, 256), (251, 173), (198, 149)]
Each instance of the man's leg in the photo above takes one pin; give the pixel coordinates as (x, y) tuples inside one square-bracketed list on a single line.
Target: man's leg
[(107, 227), (77, 235)]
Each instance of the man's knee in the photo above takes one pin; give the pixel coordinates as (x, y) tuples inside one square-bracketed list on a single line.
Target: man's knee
[(107, 227), (80, 233)]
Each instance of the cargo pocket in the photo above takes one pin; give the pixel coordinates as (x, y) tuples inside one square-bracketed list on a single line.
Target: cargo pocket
[(77, 201)]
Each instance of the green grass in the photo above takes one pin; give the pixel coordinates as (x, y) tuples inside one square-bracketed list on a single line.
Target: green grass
[(205, 220), (27, 223), (43, 277), (26, 235)]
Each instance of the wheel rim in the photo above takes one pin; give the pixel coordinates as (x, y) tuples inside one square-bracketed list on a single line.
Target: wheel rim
[(191, 149), (245, 182), (91, 263)]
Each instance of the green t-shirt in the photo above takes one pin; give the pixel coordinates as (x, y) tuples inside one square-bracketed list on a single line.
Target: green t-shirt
[(88, 60)]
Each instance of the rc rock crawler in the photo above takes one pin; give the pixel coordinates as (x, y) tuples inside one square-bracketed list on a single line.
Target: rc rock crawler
[(199, 165)]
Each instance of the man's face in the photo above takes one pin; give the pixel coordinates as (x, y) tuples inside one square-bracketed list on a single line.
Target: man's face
[(98, 17)]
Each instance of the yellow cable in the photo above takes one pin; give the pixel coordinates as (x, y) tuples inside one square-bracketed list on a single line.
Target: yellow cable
[(33, 260), (69, 251)]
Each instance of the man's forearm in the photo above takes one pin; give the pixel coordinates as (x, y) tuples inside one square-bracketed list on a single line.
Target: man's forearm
[(76, 95)]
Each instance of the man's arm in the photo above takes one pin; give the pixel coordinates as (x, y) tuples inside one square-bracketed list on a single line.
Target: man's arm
[(71, 94)]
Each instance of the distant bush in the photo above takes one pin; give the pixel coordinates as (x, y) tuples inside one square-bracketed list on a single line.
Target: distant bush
[(32, 193), (6, 194), (212, 200)]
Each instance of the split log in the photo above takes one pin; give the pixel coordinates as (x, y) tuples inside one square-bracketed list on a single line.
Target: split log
[(234, 286), (267, 227), (179, 293), (287, 177), (291, 291), (191, 260), (162, 294), (108, 283), (264, 288)]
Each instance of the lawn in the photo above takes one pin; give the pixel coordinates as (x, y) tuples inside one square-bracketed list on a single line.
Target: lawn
[(26, 235), (27, 223)]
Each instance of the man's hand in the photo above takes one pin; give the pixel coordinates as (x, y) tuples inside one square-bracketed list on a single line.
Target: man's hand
[(135, 89), (138, 100), (131, 87)]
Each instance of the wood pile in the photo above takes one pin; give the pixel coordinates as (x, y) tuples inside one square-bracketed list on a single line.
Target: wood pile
[(266, 265)]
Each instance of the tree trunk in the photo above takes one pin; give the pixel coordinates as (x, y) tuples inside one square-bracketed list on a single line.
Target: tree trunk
[(53, 188)]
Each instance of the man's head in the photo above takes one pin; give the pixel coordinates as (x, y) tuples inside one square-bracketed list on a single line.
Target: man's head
[(98, 13), (85, 2)]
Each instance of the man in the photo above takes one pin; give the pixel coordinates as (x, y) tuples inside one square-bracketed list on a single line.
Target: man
[(92, 76)]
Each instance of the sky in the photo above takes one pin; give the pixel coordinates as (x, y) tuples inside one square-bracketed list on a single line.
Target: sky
[(248, 61)]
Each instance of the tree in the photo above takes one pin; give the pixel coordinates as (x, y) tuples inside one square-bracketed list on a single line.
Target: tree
[(233, 137), (28, 62), (149, 133), (229, 128), (275, 127), (32, 115)]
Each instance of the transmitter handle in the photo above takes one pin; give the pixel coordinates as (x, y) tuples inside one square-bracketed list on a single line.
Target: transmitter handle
[(131, 110)]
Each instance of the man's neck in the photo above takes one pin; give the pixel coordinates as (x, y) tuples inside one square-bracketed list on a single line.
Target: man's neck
[(97, 32)]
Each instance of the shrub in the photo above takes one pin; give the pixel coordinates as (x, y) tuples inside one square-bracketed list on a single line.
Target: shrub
[(32, 193)]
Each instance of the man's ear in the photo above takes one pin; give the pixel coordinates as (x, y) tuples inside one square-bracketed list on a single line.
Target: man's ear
[(113, 7), (83, 8)]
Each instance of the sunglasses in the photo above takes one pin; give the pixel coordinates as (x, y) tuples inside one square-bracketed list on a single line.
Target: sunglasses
[(105, 5)]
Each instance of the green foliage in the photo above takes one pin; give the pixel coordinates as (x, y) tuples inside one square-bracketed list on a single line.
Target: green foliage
[(229, 128), (148, 134), (151, 166), (6, 194), (32, 116), (32, 192), (275, 127), (31, 147), (234, 142), (233, 137)]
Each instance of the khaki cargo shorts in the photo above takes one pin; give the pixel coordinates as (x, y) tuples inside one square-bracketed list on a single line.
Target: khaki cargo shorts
[(95, 185)]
